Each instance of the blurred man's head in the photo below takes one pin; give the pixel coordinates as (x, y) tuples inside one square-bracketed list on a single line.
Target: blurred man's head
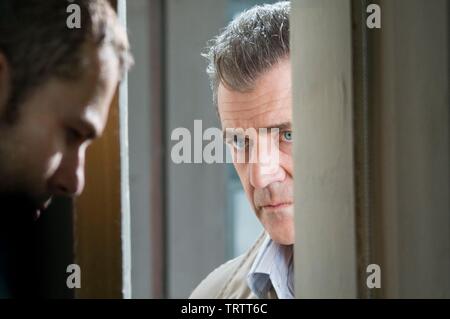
[(251, 81), (56, 85)]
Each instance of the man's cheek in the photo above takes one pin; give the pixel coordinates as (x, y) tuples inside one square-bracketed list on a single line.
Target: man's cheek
[(287, 163)]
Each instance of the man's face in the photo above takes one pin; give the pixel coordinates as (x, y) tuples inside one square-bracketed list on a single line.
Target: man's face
[(268, 180), (42, 153)]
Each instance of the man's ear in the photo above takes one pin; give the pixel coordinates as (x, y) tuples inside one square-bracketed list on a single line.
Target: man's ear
[(5, 82)]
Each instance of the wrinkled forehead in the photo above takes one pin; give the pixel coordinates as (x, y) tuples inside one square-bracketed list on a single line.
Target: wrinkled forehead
[(249, 110), (267, 104)]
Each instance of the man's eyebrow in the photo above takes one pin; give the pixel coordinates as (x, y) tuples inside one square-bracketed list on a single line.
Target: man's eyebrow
[(281, 127)]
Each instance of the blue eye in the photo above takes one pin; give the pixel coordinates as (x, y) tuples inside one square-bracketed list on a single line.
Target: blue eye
[(239, 142), (287, 136)]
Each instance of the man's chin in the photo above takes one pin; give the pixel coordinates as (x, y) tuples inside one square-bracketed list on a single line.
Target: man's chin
[(283, 239), (280, 227)]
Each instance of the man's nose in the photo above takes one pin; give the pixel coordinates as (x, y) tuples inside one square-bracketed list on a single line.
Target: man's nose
[(69, 178), (264, 166)]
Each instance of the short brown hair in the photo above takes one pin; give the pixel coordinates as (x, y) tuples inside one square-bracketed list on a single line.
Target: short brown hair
[(38, 44), (251, 44)]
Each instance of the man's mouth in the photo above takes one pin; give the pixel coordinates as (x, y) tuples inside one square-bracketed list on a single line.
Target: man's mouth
[(24, 206), (36, 214), (41, 207), (44, 205), (276, 206)]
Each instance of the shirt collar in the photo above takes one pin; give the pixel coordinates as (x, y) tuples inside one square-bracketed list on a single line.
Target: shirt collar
[(273, 267)]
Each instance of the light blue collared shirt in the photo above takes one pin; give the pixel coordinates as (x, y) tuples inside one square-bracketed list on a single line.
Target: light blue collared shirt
[(273, 267)]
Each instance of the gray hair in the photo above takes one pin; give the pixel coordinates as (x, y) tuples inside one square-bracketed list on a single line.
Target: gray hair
[(251, 44)]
